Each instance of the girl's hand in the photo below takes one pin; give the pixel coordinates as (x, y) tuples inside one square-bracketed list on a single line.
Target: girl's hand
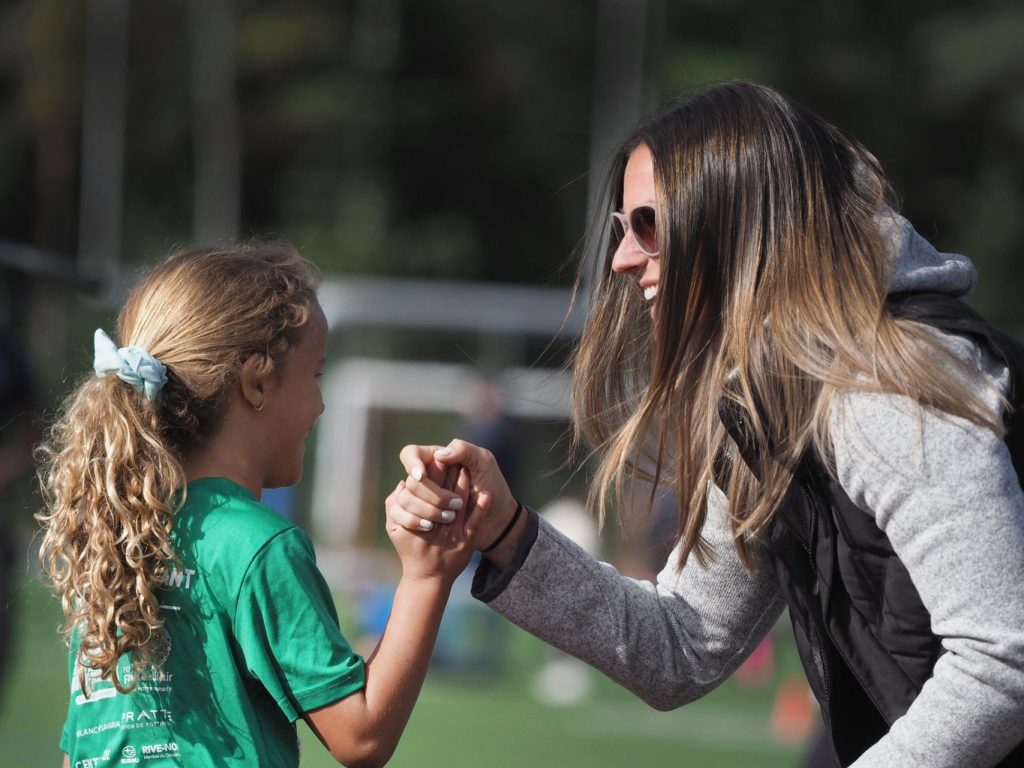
[(428, 497), (433, 551), (489, 501)]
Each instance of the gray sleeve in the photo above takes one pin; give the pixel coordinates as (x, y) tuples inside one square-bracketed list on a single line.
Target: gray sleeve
[(668, 643), (946, 494)]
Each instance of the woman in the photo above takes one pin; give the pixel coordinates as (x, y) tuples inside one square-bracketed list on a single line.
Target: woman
[(751, 345)]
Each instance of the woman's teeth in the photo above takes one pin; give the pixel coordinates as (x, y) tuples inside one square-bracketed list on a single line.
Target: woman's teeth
[(650, 292)]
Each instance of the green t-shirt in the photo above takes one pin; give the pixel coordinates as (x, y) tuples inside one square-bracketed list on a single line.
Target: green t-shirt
[(252, 642)]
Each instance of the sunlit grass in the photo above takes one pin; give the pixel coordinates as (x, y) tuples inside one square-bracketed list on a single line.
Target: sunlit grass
[(463, 720)]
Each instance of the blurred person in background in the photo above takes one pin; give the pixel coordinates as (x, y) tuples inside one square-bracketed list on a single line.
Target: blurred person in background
[(472, 640), (781, 348)]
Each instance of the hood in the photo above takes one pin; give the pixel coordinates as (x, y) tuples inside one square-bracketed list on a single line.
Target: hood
[(920, 267)]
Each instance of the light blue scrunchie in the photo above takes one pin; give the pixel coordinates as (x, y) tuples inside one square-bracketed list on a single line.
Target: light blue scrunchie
[(131, 364)]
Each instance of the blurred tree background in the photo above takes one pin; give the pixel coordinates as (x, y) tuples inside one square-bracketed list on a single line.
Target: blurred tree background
[(415, 139), (450, 138)]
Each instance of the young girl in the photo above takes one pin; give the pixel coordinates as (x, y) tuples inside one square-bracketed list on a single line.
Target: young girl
[(766, 340), (200, 627)]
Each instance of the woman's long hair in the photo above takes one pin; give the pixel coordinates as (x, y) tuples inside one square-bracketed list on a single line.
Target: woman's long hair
[(773, 281), (111, 469)]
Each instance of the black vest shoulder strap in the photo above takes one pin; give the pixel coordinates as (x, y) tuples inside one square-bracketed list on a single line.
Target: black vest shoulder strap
[(954, 316)]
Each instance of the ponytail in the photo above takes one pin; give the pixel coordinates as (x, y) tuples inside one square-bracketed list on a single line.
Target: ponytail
[(111, 485)]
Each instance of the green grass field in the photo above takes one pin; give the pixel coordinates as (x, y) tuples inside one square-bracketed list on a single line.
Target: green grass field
[(458, 723)]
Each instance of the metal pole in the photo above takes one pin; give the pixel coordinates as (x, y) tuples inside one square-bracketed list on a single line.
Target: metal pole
[(218, 178), (618, 90), (103, 108)]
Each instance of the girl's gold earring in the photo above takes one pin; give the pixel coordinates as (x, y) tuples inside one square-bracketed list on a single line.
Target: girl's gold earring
[(258, 408)]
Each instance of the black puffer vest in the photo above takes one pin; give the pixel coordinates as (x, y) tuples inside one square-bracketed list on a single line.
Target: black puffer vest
[(863, 635)]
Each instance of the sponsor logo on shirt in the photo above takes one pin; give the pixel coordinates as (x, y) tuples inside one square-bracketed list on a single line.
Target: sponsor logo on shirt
[(129, 755), (145, 718), (93, 730), (166, 749), (96, 695), (93, 762), (176, 578)]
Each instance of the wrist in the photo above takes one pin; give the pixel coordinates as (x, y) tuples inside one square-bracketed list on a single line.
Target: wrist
[(506, 529), (427, 583), (501, 552)]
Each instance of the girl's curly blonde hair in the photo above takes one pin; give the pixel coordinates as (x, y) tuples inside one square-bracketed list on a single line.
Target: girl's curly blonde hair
[(111, 467)]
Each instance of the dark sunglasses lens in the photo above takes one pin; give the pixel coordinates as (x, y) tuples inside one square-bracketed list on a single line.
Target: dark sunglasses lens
[(644, 230)]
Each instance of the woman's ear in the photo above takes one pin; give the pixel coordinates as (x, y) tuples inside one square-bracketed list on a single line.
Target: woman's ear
[(253, 381)]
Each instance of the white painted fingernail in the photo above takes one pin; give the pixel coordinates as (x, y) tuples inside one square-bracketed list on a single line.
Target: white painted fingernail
[(443, 452), (417, 473), (447, 515), (426, 525), (455, 504)]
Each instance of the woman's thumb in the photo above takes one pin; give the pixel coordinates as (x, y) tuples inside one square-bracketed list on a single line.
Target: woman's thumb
[(460, 452)]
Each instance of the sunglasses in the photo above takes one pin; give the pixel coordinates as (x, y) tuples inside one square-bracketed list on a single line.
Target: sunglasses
[(641, 223)]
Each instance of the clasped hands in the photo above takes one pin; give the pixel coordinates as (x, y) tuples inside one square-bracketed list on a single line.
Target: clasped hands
[(457, 485)]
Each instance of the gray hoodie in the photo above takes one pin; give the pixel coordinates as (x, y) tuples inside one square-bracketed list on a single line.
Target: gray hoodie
[(944, 492)]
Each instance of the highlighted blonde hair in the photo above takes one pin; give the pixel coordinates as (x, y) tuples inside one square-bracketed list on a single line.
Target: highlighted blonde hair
[(111, 468), (772, 295)]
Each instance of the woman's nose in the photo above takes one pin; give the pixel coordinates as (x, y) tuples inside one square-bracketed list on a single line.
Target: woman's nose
[(627, 257)]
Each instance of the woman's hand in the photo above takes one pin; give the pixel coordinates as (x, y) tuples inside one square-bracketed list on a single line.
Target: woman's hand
[(490, 503)]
